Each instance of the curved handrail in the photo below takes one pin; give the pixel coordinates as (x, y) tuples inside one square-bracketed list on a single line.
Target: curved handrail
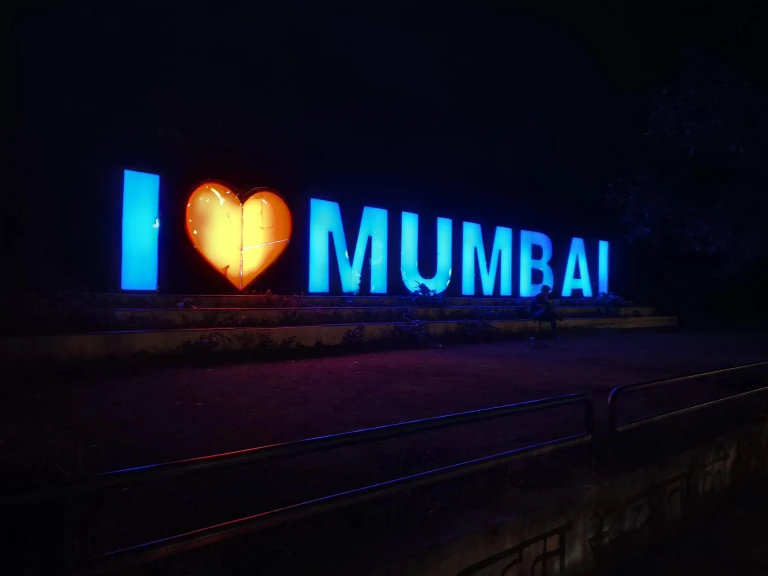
[(616, 393), (158, 549), (305, 446)]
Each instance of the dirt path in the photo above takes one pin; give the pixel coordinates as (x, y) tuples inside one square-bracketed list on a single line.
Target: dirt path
[(121, 421)]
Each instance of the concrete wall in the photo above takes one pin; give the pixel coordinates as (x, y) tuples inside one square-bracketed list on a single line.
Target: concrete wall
[(71, 347), (599, 522)]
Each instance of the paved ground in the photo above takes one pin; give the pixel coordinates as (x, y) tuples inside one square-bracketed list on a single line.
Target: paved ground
[(103, 422)]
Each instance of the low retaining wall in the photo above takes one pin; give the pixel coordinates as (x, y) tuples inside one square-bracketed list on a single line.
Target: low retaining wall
[(104, 344), (128, 300), (598, 525), (159, 319)]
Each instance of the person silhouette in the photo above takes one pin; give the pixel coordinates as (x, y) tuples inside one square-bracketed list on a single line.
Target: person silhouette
[(541, 308)]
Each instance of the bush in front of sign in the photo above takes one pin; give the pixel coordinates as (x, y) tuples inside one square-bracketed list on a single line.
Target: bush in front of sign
[(409, 334)]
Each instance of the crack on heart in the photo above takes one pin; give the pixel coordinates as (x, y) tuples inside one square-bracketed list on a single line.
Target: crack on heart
[(264, 244), (261, 215)]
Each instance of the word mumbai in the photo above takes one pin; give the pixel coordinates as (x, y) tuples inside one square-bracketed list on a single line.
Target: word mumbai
[(325, 220)]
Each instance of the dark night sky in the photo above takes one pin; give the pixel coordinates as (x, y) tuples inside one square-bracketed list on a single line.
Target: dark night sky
[(532, 105)]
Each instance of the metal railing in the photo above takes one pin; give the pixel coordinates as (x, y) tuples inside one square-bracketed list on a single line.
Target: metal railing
[(177, 468), (614, 428), (158, 549)]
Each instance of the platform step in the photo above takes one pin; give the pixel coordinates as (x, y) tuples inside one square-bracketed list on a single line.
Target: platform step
[(164, 301), (125, 343), (155, 318)]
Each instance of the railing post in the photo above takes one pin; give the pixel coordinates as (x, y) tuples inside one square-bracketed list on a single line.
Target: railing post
[(589, 416), (589, 426), (610, 428)]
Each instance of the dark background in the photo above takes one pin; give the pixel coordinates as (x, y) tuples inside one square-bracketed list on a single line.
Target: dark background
[(639, 123)]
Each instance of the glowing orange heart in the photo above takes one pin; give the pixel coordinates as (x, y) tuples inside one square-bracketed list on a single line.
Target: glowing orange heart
[(240, 240)]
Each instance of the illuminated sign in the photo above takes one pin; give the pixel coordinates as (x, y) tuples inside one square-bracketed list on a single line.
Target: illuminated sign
[(240, 237), (325, 220), (501, 252), (409, 251), (325, 227), (528, 240), (141, 222)]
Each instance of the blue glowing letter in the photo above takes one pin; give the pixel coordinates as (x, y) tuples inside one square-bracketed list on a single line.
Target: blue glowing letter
[(409, 253), (527, 263), (141, 195), (602, 268), (502, 248), (324, 219), (577, 254)]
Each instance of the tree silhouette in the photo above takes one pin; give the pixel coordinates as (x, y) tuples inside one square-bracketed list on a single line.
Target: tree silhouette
[(702, 180)]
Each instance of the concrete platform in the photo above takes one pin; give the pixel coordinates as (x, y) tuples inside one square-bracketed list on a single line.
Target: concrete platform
[(93, 326), (152, 300), (188, 317), (73, 347)]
